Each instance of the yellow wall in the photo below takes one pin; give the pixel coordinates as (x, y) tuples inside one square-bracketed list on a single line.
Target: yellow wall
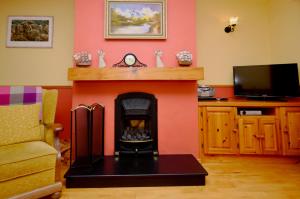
[(38, 66), (218, 51), (268, 32), (285, 31)]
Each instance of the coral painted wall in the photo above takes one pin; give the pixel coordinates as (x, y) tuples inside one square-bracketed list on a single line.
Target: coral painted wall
[(89, 34), (64, 105), (177, 100), (177, 111)]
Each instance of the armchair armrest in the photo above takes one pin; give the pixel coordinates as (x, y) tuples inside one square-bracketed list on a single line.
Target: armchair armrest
[(56, 128)]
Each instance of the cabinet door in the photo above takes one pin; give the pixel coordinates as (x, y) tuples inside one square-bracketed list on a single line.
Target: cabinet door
[(219, 137), (201, 131), (290, 130), (248, 131), (267, 135)]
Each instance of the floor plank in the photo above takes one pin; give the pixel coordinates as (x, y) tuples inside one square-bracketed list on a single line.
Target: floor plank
[(229, 177)]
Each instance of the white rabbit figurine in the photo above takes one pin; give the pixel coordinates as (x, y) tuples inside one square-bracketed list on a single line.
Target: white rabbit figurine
[(158, 54), (102, 63)]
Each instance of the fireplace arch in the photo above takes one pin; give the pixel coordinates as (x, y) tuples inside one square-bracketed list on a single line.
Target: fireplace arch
[(136, 124)]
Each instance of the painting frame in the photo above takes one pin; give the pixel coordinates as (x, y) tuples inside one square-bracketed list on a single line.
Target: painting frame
[(151, 13), (30, 32)]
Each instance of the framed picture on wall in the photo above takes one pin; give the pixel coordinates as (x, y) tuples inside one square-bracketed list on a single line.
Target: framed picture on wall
[(29, 31), (132, 19)]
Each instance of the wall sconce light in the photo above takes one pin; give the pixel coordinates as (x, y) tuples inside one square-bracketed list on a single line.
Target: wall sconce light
[(233, 21)]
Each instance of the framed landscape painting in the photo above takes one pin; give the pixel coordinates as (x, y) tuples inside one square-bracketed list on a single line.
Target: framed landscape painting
[(133, 19), (25, 31)]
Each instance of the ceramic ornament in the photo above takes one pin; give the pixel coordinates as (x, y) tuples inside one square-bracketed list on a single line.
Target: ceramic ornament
[(158, 54), (101, 55)]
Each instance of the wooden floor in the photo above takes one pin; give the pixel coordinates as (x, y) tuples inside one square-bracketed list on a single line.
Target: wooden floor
[(229, 177)]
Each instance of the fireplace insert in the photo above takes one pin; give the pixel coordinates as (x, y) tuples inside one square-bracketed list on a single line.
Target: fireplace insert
[(136, 124)]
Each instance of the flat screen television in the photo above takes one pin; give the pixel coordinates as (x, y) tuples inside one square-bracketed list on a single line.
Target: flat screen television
[(266, 81)]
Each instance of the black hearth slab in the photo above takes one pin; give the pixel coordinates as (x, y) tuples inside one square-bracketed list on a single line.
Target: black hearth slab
[(141, 171)]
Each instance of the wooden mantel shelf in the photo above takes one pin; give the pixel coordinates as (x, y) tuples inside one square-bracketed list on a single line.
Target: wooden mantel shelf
[(135, 73)]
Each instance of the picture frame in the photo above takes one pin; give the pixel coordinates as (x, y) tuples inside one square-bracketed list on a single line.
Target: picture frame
[(132, 19), (29, 31)]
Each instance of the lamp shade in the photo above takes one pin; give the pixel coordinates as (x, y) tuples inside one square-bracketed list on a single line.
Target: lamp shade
[(233, 20)]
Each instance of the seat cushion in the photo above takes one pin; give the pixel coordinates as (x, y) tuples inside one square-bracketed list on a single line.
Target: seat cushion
[(27, 183), (27, 158), (19, 123)]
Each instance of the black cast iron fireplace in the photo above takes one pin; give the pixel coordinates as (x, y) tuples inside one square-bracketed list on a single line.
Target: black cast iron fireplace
[(136, 124)]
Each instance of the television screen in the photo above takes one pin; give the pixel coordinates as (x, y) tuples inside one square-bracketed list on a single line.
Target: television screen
[(275, 80)]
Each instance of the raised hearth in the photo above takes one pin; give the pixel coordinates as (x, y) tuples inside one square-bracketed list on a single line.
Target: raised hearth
[(142, 171)]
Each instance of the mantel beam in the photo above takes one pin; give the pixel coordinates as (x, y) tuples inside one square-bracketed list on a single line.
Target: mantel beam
[(135, 73)]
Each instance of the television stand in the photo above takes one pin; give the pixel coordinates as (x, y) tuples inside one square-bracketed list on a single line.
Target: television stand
[(239, 126), (267, 98)]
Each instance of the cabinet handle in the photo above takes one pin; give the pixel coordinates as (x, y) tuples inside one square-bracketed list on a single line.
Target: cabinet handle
[(224, 140), (218, 130), (235, 130), (259, 136)]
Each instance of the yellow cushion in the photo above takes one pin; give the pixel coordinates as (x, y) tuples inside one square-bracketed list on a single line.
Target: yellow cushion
[(23, 159), (19, 123)]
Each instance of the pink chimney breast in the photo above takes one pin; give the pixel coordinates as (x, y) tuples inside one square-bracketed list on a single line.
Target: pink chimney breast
[(177, 100)]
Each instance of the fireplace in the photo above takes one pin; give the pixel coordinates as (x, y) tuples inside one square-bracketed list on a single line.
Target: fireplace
[(136, 133), (136, 124)]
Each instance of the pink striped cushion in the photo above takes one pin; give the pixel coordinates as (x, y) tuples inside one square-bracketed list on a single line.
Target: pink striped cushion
[(10, 95)]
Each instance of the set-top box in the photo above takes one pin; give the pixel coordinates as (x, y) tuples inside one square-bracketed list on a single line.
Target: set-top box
[(250, 112)]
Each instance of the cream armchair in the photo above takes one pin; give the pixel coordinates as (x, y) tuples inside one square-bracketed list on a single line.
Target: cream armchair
[(28, 158)]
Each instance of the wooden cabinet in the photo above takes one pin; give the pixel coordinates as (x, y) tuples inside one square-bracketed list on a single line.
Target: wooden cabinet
[(218, 130), (258, 135), (268, 135), (248, 130), (290, 130), (225, 129)]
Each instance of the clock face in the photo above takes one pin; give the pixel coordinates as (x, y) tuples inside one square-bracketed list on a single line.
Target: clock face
[(130, 59)]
